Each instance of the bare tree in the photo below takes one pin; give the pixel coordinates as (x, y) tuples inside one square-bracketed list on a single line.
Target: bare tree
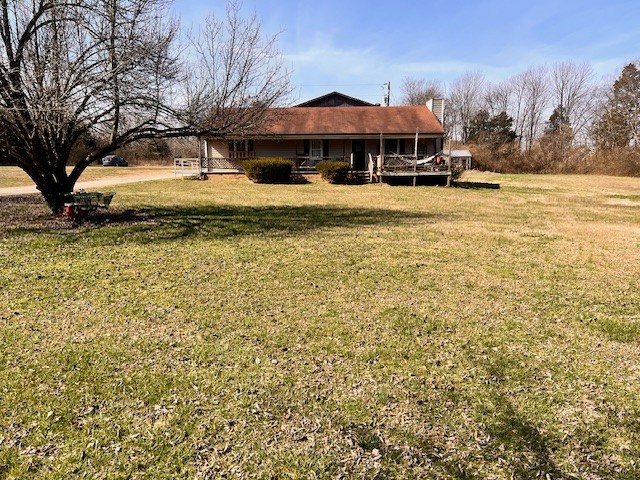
[(237, 72), (497, 98), (530, 98), (464, 102), (573, 95), (419, 91), (72, 68), (111, 70)]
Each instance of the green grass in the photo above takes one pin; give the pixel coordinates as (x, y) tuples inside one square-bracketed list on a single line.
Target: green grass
[(225, 328)]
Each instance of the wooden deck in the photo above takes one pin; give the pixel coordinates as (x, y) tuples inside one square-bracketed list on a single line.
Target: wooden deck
[(404, 169)]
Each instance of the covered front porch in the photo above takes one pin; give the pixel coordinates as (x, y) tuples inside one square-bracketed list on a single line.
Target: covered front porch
[(393, 153)]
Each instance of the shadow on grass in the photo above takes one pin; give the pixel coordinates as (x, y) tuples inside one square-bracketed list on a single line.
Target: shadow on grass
[(530, 452), (211, 221), (506, 435), (232, 221), (477, 185)]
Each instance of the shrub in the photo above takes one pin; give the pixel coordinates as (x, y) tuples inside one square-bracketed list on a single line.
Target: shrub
[(268, 170), (333, 171), (623, 161)]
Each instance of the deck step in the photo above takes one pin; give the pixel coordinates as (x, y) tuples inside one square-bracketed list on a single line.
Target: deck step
[(359, 176)]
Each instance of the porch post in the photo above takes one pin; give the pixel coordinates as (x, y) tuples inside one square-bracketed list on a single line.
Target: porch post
[(204, 162), (381, 157)]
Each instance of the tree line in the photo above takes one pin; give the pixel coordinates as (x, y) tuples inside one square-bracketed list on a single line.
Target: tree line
[(556, 118)]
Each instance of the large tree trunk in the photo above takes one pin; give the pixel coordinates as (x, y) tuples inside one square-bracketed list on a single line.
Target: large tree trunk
[(56, 189), (56, 197)]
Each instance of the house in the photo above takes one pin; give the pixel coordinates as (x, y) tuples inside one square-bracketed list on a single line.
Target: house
[(334, 127)]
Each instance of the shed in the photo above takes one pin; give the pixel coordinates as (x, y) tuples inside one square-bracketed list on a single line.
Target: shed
[(460, 157)]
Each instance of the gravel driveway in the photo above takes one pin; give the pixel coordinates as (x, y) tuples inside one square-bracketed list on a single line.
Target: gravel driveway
[(105, 182)]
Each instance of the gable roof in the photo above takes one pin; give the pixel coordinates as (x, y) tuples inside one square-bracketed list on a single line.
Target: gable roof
[(353, 121), (335, 99)]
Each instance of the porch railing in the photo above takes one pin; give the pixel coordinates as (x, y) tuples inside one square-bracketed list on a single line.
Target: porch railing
[(242, 155), (211, 164), (300, 163)]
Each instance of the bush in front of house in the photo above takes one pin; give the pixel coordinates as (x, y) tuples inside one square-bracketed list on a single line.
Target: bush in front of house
[(268, 170), (333, 171)]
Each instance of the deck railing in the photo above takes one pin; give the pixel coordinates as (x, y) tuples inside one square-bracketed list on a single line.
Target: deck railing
[(186, 166), (407, 163)]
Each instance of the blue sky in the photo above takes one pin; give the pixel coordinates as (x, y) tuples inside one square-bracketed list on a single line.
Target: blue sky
[(355, 46)]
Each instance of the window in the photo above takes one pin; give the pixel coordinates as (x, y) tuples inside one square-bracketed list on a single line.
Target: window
[(316, 149), (241, 145)]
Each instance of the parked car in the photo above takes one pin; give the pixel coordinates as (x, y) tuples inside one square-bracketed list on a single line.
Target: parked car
[(114, 161)]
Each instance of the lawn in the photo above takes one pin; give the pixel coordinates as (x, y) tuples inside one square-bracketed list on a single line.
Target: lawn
[(222, 329)]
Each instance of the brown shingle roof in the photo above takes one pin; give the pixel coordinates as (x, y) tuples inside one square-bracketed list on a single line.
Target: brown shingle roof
[(352, 121)]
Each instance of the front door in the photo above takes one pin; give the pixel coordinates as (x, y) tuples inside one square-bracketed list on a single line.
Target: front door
[(359, 157)]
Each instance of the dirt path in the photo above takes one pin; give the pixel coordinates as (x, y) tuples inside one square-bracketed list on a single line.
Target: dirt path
[(104, 182)]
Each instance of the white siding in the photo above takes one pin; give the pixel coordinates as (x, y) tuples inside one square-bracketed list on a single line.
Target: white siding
[(291, 148), (278, 148), (218, 149)]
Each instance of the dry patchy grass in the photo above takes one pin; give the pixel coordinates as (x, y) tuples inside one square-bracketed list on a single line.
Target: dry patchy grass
[(225, 329)]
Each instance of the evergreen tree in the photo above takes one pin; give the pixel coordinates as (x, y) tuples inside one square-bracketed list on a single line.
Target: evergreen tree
[(558, 136), (626, 95), (619, 124), (495, 131)]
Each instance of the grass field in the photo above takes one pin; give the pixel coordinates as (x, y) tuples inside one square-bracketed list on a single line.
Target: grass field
[(223, 329)]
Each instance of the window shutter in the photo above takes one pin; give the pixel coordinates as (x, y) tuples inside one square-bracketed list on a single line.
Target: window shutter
[(325, 148), (305, 148), (402, 147)]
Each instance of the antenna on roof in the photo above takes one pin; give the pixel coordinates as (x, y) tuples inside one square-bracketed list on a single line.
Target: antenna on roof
[(387, 97)]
